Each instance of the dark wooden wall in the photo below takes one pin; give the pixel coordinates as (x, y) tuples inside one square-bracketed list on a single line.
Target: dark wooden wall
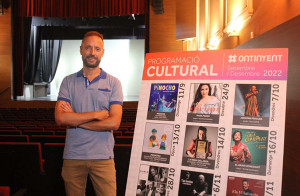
[(287, 35), (162, 29), (5, 50)]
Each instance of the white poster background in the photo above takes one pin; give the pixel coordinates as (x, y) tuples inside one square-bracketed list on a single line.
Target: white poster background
[(219, 186)]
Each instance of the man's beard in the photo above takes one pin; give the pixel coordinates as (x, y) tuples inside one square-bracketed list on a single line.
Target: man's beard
[(87, 64)]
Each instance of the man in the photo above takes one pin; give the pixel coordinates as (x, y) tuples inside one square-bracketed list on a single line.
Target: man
[(200, 147), (246, 191), (151, 189), (252, 104), (153, 107), (161, 191), (200, 187), (186, 185), (90, 104), (239, 152), (153, 139), (153, 176), (141, 188)]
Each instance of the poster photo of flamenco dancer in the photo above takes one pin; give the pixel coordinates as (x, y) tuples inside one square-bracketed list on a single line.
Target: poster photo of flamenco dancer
[(252, 104), (204, 103), (162, 102)]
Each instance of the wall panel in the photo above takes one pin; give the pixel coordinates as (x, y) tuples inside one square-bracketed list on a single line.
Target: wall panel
[(287, 36), (186, 19), (162, 31), (5, 50)]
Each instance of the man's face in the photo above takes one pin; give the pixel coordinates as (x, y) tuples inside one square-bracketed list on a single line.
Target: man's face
[(237, 136), (153, 172), (163, 172), (201, 135), (253, 88), (91, 51), (187, 175), (201, 178), (150, 185), (245, 185)]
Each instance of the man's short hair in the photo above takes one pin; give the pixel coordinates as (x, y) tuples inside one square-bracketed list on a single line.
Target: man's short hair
[(93, 33), (202, 177), (202, 128), (245, 180)]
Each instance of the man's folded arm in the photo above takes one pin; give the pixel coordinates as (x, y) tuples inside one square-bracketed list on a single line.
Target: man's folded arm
[(110, 123), (65, 116)]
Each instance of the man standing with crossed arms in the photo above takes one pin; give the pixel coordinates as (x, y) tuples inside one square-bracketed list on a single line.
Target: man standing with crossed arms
[(90, 105)]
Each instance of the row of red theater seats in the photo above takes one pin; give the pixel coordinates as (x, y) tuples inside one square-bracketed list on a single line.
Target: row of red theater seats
[(18, 175), (120, 131), (119, 139), (46, 114), (37, 167), (51, 133), (37, 126), (37, 129), (34, 152), (44, 127)]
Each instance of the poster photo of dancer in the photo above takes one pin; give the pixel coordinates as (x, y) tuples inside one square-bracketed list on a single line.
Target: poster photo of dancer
[(252, 104)]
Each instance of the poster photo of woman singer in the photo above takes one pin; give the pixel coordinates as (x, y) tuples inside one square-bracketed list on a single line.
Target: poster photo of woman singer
[(204, 103)]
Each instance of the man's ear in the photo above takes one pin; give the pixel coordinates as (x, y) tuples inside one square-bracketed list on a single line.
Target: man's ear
[(103, 53), (81, 48)]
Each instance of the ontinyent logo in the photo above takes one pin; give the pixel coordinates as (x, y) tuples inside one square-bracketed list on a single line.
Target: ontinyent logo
[(232, 58)]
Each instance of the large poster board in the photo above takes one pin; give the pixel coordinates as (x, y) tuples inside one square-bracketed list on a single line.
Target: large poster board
[(210, 123)]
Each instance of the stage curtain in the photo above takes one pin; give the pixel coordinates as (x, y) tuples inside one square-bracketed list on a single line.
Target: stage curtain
[(83, 8), (32, 55), (49, 57)]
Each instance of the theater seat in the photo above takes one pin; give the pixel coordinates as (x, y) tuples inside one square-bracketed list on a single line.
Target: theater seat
[(47, 138), (123, 139), (4, 191), (21, 166), (122, 156), (14, 138), (42, 139), (10, 132), (53, 155), (37, 132)]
